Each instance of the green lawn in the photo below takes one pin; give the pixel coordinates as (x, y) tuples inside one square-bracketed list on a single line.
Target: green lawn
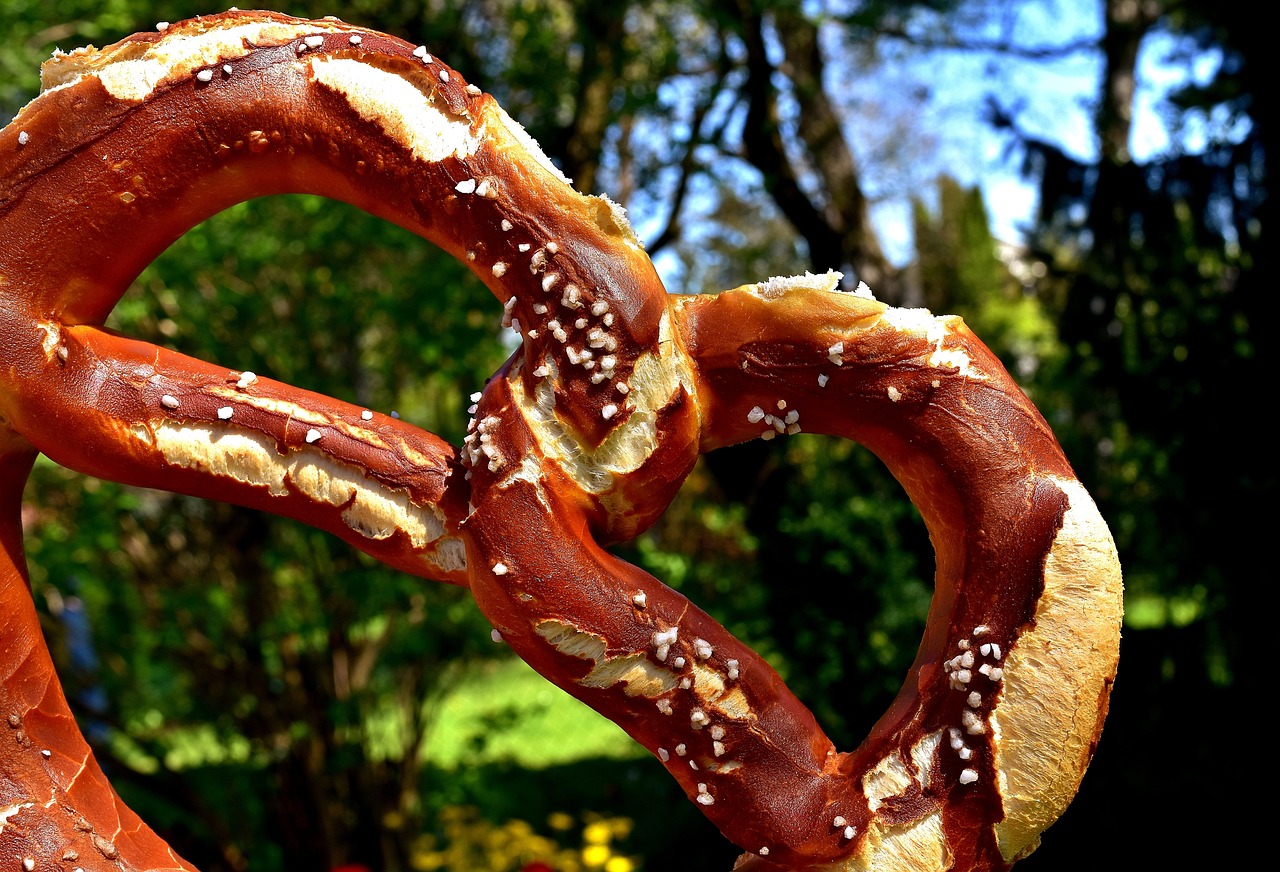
[(509, 713)]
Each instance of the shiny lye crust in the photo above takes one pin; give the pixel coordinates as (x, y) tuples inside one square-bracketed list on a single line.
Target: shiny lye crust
[(579, 440)]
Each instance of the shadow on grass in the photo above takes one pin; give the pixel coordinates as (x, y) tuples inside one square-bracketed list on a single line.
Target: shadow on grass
[(1175, 741)]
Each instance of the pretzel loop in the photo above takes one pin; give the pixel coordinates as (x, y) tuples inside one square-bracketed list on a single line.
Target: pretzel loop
[(580, 440)]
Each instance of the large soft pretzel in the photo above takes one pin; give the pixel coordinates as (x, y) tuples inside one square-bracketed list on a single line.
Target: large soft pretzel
[(580, 440)]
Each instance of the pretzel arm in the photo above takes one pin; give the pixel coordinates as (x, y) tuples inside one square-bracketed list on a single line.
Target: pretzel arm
[(161, 419), (146, 138), (56, 804), (709, 708), (164, 420), (1021, 638), (1000, 713)]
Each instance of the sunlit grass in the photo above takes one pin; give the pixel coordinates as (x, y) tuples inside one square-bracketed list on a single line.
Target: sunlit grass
[(508, 712), (501, 712)]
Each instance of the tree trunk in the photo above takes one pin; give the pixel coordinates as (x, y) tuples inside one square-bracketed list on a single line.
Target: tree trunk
[(834, 220)]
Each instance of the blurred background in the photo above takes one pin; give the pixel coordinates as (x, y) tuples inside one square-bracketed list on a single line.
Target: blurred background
[(1085, 182)]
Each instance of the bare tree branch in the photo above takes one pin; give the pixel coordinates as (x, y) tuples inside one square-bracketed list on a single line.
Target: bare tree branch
[(951, 42), (688, 165), (764, 148), (820, 130), (602, 28)]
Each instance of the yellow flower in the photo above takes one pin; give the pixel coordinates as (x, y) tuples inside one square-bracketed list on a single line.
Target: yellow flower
[(597, 833), (559, 820), (595, 855)]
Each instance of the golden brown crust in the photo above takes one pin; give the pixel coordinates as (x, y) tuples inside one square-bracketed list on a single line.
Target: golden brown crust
[(995, 491), (1058, 678), (580, 440)]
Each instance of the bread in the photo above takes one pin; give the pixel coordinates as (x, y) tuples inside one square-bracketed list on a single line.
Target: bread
[(580, 440)]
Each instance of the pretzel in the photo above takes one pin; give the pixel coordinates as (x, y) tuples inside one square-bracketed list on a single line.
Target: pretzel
[(579, 440)]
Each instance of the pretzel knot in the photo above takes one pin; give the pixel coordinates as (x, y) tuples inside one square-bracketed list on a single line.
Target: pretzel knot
[(580, 440)]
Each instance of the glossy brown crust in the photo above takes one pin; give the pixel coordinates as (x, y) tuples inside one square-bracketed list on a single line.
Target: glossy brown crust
[(90, 163), (43, 757), (158, 166), (971, 451), (580, 440), (974, 455)]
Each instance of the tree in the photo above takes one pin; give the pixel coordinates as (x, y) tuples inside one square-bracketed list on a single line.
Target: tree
[(961, 270), (1162, 265)]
